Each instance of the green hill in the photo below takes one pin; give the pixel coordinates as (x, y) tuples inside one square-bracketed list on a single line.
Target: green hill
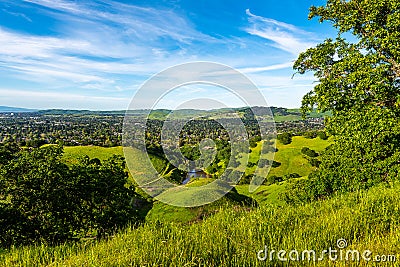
[(291, 158), (166, 213), (161, 211), (366, 220), (72, 153), (232, 230), (265, 194)]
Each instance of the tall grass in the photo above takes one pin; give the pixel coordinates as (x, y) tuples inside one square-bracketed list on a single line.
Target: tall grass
[(367, 220)]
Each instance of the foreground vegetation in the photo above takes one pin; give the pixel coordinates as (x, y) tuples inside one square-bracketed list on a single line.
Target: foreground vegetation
[(358, 81), (366, 219), (44, 199), (351, 194), (231, 231)]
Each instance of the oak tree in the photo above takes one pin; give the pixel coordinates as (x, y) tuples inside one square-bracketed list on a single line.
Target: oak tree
[(358, 81)]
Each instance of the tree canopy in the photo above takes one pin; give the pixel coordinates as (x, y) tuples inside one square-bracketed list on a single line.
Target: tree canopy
[(42, 198), (358, 81)]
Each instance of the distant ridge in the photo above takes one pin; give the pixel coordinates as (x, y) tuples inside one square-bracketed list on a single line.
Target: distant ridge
[(280, 114), (6, 109)]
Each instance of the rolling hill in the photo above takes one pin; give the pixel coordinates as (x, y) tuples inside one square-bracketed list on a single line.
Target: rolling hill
[(6, 109)]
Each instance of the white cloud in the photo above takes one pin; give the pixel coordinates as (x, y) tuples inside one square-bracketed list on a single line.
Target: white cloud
[(45, 99), (144, 23), (56, 4), (42, 74), (284, 36), (112, 47), (97, 42), (17, 14), (267, 68), (25, 45)]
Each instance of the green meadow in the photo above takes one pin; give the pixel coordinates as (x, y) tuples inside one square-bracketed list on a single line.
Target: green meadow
[(265, 194), (291, 158), (230, 231), (72, 153)]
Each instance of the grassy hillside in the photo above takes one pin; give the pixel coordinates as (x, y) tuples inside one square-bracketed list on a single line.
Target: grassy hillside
[(165, 213), (366, 220), (265, 194), (291, 158), (72, 153), (296, 115), (160, 211), (231, 231)]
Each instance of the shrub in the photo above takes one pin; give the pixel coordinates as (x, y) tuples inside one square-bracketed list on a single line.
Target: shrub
[(285, 138), (273, 179), (310, 134), (322, 135), (251, 164), (309, 152), (276, 164), (291, 175), (314, 162)]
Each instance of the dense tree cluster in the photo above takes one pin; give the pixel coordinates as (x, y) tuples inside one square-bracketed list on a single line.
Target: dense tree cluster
[(358, 81), (309, 152), (285, 138), (44, 199)]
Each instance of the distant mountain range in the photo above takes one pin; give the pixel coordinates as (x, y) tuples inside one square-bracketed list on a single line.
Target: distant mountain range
[(5, 109), (280, 114)]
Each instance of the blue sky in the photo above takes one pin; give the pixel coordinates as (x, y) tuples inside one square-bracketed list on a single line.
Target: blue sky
[(96, 54)]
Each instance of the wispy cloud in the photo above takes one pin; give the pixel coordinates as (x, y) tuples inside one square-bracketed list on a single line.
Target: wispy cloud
[(132, 21), (97, 42), (284, 36), (96, 49), (41, 58), (46, 99), (25, 45), (17, 14), (267, 68)]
